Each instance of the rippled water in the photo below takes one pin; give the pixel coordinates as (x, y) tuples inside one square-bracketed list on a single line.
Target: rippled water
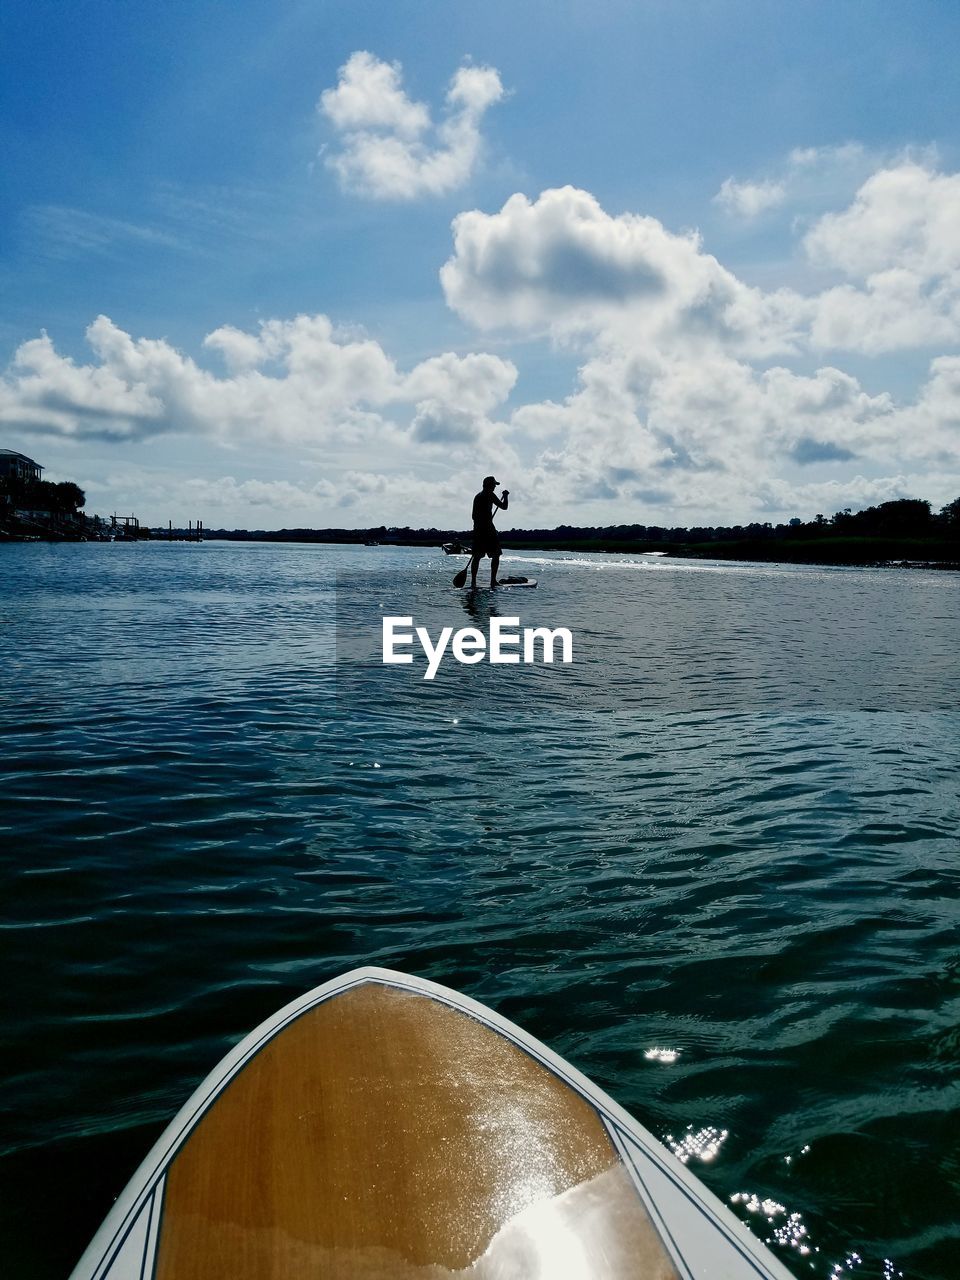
[(714, 862)]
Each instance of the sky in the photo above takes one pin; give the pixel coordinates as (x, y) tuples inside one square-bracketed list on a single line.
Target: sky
[(277, 263)]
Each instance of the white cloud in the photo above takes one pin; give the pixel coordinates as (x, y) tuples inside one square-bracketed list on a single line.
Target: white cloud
[(533, 264), (302, 500), (355, 496), (781, 497), (475, 382), (929, 430), (696, 393), (634, 429), (847, 156), (899, 244), (369, 96), (390, 148), (599, 434), (750, 199), (454, 396), (48, 392), (895, 311), (438, 423), (566, 488), (563, 265), (678, 378), (907, 216), (206, 494), (293, 380), (807, 176)]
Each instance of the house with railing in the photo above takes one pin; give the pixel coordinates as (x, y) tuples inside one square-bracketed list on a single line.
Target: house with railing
[(17, 466)]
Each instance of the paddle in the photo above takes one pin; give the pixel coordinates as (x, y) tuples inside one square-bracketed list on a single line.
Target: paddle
[(461, 577)]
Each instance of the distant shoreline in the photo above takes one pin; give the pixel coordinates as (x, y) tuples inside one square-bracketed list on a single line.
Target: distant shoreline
[(903, 532), (913, 553)]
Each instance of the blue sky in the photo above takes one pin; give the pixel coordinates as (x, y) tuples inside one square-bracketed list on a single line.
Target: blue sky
[(702, 259)]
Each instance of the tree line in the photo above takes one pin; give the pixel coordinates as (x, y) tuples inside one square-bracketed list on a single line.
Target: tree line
[(65, 498), (901, 521)]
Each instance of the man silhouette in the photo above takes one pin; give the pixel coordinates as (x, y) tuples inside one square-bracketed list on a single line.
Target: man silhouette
[(485, 540)]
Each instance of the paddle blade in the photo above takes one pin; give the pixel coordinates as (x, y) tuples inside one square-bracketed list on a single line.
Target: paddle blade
[(461, 577)]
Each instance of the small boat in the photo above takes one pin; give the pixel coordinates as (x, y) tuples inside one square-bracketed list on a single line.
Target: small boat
[(383, 1127), (456, 549)]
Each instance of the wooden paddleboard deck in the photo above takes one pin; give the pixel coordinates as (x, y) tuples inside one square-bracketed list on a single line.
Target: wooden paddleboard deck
[(383, 1127)]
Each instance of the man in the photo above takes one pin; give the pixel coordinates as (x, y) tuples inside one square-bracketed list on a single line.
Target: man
[(485, 540)]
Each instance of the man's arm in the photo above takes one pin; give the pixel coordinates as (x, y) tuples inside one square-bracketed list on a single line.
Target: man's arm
[(502, 502)]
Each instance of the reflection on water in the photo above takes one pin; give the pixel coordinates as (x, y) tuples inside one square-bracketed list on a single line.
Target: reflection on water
[(666, 1056), (726, 833), (785, 1229), (700, 1144)]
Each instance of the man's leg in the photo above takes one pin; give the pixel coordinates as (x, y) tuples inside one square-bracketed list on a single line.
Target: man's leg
[(474, 566), (494, 565)]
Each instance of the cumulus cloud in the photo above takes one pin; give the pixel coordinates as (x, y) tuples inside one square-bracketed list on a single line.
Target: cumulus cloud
[(746, 428), (730, 416), (438, 423), (294, 380), (907, 217), (476, 383), (705, 434), (600, 434), (899, 244), (389, 147), (715, 434), (633, 429), (930, 428), (695, 393), (45, 391), (369, 96), (563, 265), (893, 311), (750, 199), (685, 372)]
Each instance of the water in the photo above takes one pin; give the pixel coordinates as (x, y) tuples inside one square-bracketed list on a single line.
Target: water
[(713, 862)]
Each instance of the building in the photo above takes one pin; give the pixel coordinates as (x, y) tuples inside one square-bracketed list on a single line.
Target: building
[(17, 466)]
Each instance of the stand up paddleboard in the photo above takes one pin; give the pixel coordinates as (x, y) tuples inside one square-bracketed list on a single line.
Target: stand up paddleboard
[(501, 583), (383, 1127)]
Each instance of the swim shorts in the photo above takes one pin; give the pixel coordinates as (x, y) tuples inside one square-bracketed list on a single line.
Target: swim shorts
[(486, 542)]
